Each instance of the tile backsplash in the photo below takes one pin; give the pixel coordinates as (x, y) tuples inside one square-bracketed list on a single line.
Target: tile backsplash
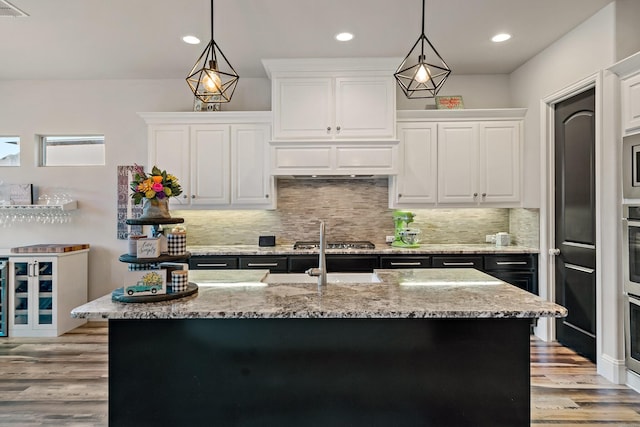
[(352, 210)]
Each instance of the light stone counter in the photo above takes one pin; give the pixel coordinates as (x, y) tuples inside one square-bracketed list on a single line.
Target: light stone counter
[(410, 293), (425, 249)]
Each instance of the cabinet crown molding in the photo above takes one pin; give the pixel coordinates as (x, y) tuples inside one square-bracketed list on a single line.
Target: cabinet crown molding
[(329, 66), (206, 117), (629, 65), (467, 114)]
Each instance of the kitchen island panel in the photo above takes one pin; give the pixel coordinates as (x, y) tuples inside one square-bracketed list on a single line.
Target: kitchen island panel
[(312, 372)]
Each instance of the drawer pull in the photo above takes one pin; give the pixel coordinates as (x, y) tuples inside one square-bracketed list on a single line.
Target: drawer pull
[(406, 263), (212, 265), (458, 263), (266, 264), (511, 262)]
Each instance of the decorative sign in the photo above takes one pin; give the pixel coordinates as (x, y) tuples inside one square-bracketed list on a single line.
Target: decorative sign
[(21, 194), (148, 248), (126, 208), (146, 282), (449, 102)]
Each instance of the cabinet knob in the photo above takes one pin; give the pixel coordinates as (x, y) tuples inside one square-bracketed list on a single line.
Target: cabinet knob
[(193, 196), (266, 196), (338, 128), (475, 194), (554, 252), (184, 196), (399, 195), (484, 194), (328, 129)]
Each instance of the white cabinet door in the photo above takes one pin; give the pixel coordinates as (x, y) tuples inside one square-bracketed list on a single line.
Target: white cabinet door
[(631, 104), (499, 162), (42, 292), (416, 183), (252, 183), (169, 150), (365, 107), (458, 163), (210, 171), (303, 108), (334, 108)]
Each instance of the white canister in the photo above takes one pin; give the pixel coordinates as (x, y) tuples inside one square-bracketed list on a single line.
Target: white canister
[(503, 239)]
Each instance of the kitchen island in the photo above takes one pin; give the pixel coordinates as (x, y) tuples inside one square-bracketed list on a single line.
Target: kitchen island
[(422, 347)]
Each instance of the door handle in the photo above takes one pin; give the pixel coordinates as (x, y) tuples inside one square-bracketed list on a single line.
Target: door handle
[(554, 252)]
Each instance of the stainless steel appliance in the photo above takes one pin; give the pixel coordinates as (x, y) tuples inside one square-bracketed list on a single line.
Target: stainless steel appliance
[(631, 167), (631, 284), (4, 308), (632, 333), (357, 244), (631, 252)]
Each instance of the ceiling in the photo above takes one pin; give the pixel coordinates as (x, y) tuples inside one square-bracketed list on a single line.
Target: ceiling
[(141, 39)]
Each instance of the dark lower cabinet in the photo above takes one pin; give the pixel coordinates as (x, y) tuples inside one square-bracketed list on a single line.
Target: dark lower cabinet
[(275, 264), (520, 270), (457, 261), (394, 261), (335, 263), (213, 262)]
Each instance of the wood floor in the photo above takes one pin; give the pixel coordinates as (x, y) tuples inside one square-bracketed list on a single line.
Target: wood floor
[(63, 382)]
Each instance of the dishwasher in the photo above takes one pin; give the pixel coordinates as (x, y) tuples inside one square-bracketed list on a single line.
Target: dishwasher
[(4, 308)]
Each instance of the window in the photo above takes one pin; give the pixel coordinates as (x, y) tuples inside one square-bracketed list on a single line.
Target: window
[(9, 151), (85, 150)]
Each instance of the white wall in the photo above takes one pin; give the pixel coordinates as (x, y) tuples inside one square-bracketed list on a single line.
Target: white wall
[(478, 91), (585, 51), (29, 108)]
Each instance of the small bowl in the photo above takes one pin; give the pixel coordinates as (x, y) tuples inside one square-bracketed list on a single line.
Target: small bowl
[(410, 236)]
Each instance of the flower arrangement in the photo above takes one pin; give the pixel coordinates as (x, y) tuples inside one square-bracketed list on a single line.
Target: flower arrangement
[(155, 186)]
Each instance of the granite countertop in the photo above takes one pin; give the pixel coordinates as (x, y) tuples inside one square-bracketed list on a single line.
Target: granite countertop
[(425, 249), (410, 293)]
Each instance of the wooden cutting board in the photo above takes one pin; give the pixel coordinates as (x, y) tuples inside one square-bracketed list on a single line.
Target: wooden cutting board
[(49, 248)]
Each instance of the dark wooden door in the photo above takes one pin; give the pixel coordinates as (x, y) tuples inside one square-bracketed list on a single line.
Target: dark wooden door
[(575, 212)]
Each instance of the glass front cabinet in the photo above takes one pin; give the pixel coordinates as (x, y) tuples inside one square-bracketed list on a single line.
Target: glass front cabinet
[(41, 295)]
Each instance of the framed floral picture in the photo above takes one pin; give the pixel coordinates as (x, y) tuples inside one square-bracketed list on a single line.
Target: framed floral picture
[(449, 102)]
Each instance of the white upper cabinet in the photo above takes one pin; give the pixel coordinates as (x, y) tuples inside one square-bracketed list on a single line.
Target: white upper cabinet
[(629, 72), (221, 159), (631, 104), (332, 99), (416, 183), (461, 158)]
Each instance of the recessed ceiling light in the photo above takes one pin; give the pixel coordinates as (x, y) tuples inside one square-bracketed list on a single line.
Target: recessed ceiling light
[(191, 39), (344, 37), (500, 37)]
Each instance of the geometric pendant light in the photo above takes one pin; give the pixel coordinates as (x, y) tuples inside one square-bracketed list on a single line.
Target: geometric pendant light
[(423, 72), (212, 78)]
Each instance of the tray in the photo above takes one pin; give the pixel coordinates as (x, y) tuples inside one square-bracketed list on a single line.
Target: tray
[(119, 296), (49, 248)]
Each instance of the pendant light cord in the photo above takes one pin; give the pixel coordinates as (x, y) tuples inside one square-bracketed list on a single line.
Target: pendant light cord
[(212, 20), (423, 36)]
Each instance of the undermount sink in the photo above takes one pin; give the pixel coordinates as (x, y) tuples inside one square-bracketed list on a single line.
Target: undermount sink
[(331, 278)]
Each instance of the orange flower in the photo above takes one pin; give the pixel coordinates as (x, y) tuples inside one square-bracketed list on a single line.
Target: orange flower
[(157, 179)]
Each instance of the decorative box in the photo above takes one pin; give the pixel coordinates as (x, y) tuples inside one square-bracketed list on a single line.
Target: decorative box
[(148, 248), (148, 282)]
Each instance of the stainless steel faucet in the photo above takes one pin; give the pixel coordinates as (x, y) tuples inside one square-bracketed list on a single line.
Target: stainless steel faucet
[(321, 271)]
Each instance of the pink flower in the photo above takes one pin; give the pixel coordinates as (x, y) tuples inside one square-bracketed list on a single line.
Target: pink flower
[(157, 187)]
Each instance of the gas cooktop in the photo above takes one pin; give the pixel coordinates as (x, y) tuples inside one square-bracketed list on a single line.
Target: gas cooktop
[(335, 245)]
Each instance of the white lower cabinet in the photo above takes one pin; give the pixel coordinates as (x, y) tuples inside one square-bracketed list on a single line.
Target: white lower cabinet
[(456, 162), (42, 292), (219, 164)]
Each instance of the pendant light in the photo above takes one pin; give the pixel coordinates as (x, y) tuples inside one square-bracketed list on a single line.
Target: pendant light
[(212, 78), (424, 78)]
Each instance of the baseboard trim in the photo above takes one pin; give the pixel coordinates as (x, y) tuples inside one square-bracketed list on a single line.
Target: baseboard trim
[(612, 369)]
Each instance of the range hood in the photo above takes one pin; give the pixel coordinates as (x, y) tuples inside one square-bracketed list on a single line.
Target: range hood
[(334, 159)]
